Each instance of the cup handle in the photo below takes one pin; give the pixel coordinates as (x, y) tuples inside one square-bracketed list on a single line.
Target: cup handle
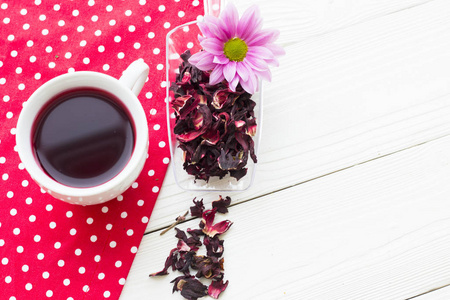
[(135, 76)]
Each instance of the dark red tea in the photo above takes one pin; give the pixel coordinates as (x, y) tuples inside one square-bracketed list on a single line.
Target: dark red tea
[(83, 138)]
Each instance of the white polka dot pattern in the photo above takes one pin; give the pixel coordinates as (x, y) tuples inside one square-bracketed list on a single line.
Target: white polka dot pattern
[(50, 249)]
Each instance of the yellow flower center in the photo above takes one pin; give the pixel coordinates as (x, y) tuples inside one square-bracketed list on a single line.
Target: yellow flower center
[(235, 49)]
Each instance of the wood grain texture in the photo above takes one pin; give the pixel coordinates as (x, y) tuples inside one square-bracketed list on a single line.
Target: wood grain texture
[(379, 230), (351, 196), (438, 294), (303, 19), (346, 97)]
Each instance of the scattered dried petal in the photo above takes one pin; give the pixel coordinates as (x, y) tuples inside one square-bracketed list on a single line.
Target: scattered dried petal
[(214, 246), (183, 264), (192, 242), (208, 267), (211, 229), (170, 261), (195, 232), (190, 287), (222, 204), (216, 288), (182, 246), (193, 289), (198, 208), (184, 257), (179, 281)]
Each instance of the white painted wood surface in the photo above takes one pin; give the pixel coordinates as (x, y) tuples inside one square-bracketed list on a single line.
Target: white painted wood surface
[(352, 194)]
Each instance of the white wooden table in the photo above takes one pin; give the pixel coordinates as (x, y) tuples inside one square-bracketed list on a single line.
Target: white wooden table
[(352, 193)]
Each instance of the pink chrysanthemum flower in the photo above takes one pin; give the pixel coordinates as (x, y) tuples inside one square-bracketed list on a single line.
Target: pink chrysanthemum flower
[(237, 50)]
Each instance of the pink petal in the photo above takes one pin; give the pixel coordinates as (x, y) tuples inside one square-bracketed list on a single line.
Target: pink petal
[(251, 85), (221, 59), (229, 71), (263, 37), (273, 62), (200, 38), (276, 50), (242, 70), (195, 58), (230, 17), (215, 26), (216, 75), (234, 83), (206, 63), (256, 63), (212, 45), (266, 75), (249, 23), (254, 82), (260, 52), (204, 28)]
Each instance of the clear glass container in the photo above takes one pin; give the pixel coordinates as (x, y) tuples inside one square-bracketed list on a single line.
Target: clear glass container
[(178, 40)]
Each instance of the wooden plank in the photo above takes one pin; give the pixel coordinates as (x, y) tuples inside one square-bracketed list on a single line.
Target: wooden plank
[(302, 19), (438, 294), (378, 230), (346, 97)]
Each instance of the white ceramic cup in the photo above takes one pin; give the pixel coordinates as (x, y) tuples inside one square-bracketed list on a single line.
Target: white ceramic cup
[(125, 90)]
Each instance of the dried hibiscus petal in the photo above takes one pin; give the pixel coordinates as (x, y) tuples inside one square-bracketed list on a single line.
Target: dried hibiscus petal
[(179, 102), (190, 287), (185, 262), (198, 208), (195, 232), (211, 229), (192, 242), (221, 204), (182, 246), (206, 120), (212, 137), (229, 162), (216, 288), (208, 267), (214, 246), (184, 257), (213, 125), (170, 261)]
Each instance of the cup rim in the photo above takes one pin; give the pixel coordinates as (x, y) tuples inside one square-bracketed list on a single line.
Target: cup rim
[(33, 107)]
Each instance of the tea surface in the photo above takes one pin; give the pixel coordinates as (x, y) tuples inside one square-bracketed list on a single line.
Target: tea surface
[(83, 138)]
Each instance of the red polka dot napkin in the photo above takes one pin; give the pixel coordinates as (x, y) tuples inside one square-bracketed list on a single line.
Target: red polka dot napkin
[(50, 249)]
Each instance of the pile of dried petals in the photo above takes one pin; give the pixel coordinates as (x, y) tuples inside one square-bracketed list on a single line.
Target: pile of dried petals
[(213, 125), (184, 256)]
